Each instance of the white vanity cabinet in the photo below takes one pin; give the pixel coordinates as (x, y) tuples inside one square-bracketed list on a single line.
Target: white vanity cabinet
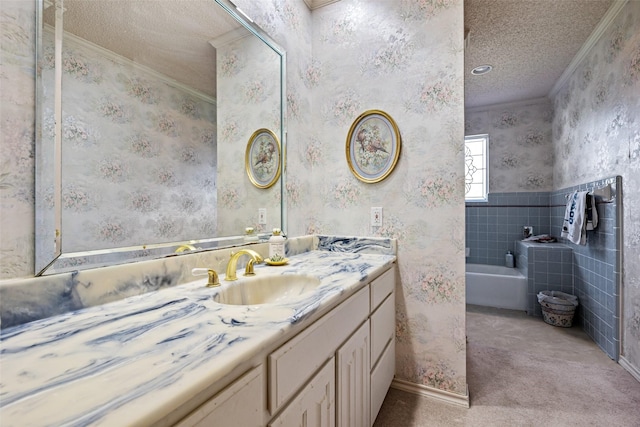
[(364, 359), (335, 372)]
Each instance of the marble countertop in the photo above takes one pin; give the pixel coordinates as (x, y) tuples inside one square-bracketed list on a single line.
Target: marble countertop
[(132, 362)]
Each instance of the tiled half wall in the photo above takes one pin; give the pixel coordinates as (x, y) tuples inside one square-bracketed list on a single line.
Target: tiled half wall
[(597, 265)]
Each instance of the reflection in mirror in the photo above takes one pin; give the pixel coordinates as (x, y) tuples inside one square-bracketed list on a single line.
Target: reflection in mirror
[(139, 139)]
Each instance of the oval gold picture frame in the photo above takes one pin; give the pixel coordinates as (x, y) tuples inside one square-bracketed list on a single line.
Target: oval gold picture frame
[(262, 158), (373, 146)]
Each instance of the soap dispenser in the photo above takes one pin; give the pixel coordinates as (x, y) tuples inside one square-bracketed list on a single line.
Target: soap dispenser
[(508, 260), (276, 244)]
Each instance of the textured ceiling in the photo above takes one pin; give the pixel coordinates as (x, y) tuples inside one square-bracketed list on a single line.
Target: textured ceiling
[(529, 43), (169, 36)]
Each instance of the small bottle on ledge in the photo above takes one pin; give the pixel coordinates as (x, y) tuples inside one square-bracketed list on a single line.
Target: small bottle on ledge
[(508, 260), (276, 244)]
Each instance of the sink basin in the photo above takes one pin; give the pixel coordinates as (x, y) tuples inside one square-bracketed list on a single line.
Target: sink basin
[(267, 289)]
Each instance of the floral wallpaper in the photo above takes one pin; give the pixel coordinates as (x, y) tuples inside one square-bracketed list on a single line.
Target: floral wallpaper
[(353, 56), (596, 134), (140, 151), (370, 55), (520, 145)]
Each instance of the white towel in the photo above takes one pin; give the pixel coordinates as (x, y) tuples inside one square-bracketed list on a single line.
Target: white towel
[(574, 224)]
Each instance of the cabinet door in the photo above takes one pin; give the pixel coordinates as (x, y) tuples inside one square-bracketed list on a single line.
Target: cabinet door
[(314, 406), (240, 404), (353, 379)]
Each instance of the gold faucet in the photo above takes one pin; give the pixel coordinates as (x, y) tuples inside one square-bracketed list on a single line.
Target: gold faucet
[(213, 276), (185, 247), (213, 279), (233, 263)]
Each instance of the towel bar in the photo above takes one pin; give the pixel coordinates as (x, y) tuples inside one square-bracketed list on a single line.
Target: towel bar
[(604, 194)]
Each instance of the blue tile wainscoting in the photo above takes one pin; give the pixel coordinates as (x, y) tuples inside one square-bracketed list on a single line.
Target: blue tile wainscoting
[(493, 227), (591, 272)]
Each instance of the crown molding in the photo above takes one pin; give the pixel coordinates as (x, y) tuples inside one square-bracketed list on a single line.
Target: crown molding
[(507, 105), (316, 4), (586, 48), (230, 37), (73, 39)]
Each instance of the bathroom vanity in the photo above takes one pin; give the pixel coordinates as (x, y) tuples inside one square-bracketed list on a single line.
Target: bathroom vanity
[(178, 357), (336, 371)]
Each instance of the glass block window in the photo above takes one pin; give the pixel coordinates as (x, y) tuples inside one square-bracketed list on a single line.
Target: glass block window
[(476, 159)]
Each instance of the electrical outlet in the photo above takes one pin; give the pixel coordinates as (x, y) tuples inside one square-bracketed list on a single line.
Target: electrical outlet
[(376, 217), (262, 215)]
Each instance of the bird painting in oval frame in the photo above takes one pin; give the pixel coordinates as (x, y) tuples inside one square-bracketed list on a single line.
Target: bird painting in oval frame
[(373, 146), (262, 158)]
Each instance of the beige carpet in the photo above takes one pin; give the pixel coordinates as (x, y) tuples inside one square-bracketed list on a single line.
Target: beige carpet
[(523, 372)]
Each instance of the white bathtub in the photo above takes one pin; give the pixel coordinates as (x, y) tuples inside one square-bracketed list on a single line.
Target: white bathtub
[(496, 286)]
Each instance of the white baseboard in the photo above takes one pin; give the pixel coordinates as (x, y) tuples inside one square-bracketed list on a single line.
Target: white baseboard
[(434, 393), (635, 372)]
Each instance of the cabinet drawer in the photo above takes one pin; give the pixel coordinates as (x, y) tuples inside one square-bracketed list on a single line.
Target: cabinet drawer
[(293, 364), (229, 407), (383, 322), (381, 378), (381, 287)]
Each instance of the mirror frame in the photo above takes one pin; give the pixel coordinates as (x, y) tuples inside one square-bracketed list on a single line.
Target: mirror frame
[(160, 250)]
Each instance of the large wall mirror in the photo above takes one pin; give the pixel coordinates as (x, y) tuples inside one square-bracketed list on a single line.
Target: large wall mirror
[(144, 113)]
